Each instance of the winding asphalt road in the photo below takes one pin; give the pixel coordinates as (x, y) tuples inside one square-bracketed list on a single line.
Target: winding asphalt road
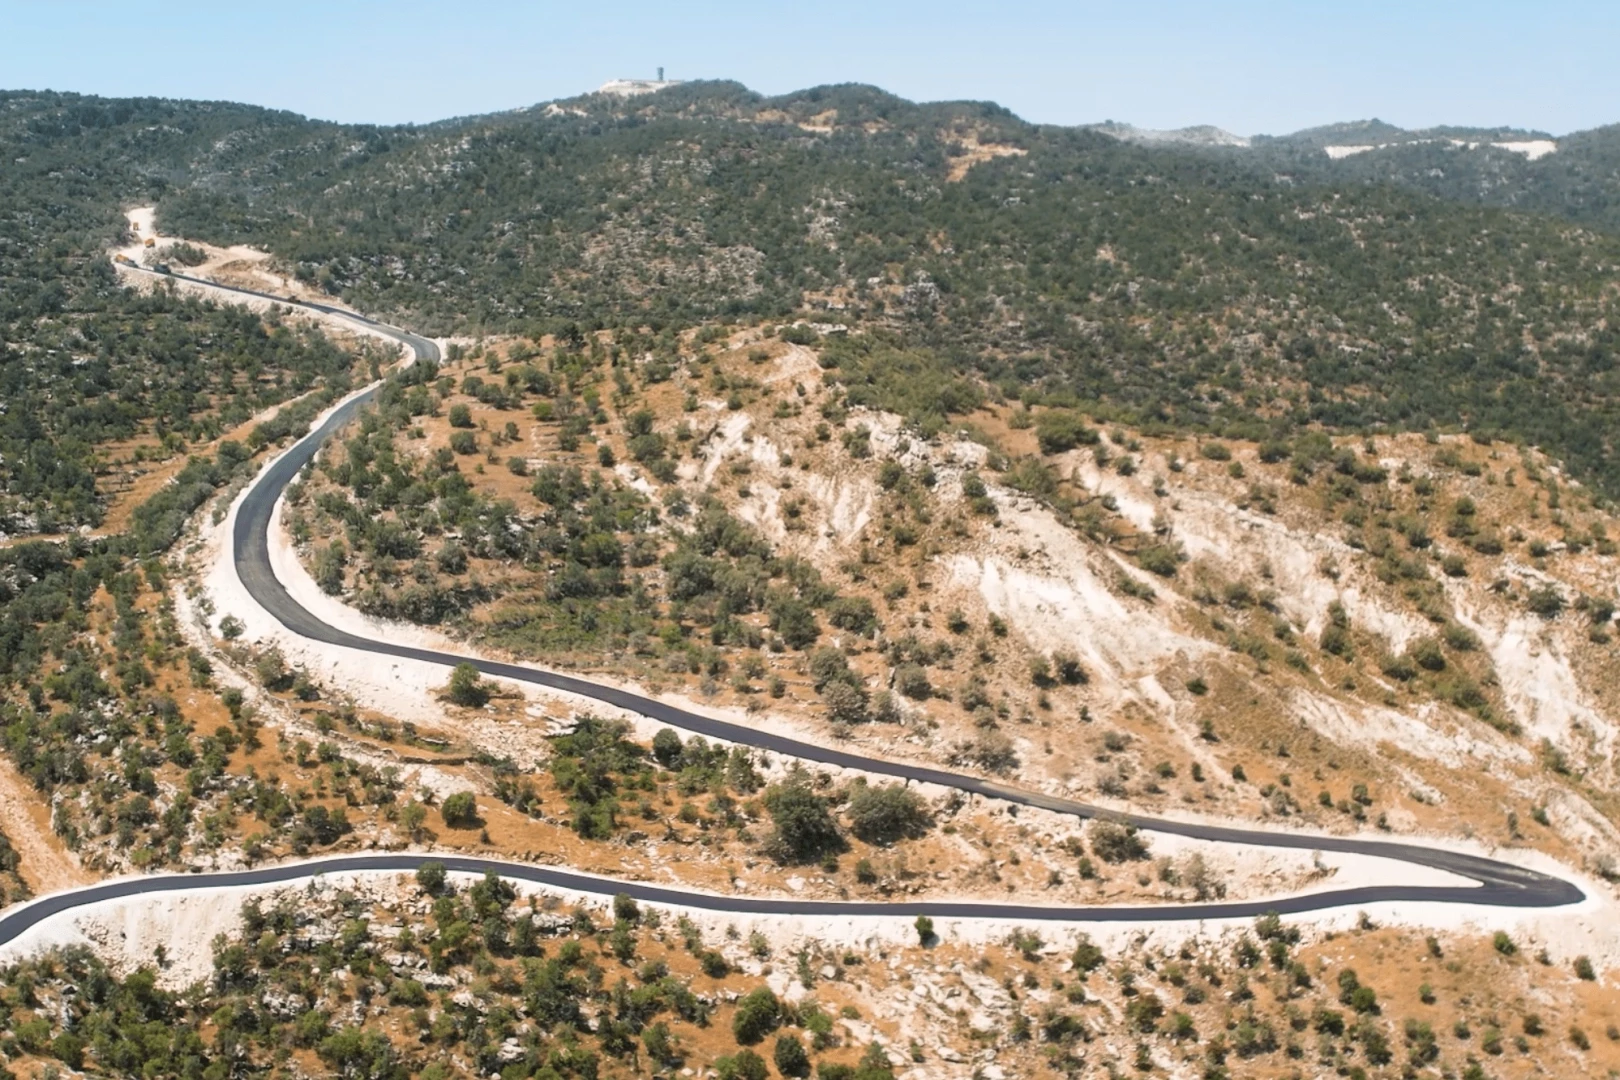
[(1499, 884)]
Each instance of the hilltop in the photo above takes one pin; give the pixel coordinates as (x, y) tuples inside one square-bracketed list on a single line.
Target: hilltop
[(1174, 286)]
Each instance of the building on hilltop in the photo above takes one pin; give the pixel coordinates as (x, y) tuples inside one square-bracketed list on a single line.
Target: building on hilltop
[(632, 87)]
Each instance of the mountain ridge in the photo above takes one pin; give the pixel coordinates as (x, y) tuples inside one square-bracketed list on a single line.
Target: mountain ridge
[(1229, 290)]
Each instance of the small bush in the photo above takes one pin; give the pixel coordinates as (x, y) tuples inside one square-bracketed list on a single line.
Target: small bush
[(804, 830), (460, 811), (1067, 666), (1115, 843), (758, 1014), (667, 747), (1545, 601), (912, 681), (993, 751), (1040, 671), (790, 1056), (845, 704), (1161, 559), (467, 688), (1399, 667), (884, 814), (743, 1065), (431, 877), (1057, 430), (1459, 638), (1087, 956), (1427, 655)]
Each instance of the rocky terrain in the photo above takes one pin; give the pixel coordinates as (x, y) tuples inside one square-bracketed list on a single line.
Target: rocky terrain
[(1220, 564), (468, 977), (1400, 633)]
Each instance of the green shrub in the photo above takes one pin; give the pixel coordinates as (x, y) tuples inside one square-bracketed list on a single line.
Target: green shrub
[(1335, 639), (803, 829), (1161, 559), (1116, 843), (1087, 956), (790, 1056), (1068, 668), (854, 613), (460, 811), (431, 877), (1545, 601), (912, 681), (883, 814), (1057, 430), (1427, 655), (467, 688), (743, 1065), (1399, 667), (845, 704), (758, 1014), (1459, 638), (666, 748)]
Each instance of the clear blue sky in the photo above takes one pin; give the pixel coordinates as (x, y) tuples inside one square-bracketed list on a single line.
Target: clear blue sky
[(1258, 66)]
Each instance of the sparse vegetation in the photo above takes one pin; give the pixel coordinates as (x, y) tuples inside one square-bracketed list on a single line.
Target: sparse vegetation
[(536, 493), (1117, 843)]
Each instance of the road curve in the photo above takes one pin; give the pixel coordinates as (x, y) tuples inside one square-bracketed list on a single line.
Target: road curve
[(17, 921), (1499, 884)]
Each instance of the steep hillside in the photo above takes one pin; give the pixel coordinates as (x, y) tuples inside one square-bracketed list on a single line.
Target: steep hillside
[(1405, 632), (1576, 176), (1174, 286), (1171, 479), (1207, 291), (102, 387)]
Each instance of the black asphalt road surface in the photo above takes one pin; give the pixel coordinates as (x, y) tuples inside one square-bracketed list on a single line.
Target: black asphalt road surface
[(1499, 884)]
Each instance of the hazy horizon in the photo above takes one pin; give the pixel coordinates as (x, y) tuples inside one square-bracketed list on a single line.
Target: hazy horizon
[(1257, 67), (1101, 121)]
